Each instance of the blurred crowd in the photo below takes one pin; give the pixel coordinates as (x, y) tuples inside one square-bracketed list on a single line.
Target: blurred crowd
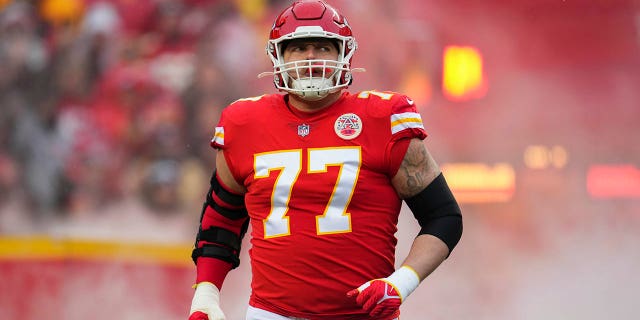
[(102, 100)]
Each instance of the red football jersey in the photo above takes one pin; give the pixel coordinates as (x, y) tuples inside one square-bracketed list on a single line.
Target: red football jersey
[(323, 210)]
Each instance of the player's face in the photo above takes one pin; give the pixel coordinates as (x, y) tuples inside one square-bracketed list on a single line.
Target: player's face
[(311, 49)]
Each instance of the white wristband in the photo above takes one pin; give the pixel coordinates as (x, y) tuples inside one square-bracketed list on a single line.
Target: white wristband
[(405, 280), (206, 299)]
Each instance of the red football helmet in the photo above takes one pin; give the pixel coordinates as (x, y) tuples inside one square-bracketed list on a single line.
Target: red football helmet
[(311, 19)]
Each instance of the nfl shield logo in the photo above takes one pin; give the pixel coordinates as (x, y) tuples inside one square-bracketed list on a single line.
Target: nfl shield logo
[(303, 130)]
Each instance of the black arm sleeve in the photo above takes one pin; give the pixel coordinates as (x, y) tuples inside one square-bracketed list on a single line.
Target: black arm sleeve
[(437, 212)]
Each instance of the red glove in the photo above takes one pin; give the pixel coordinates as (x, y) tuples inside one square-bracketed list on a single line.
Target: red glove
[(378, 298), (381, 298)]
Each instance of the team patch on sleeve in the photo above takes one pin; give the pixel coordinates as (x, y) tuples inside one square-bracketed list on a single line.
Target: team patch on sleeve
[(218, 136), (406, 120)]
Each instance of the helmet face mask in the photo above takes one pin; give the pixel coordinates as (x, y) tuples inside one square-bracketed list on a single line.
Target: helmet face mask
[(311, 79)]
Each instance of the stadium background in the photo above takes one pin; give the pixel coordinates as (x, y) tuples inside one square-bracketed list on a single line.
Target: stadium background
[(107, 107)]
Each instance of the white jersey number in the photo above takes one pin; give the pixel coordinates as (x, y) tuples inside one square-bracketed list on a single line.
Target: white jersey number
[(335, 218)]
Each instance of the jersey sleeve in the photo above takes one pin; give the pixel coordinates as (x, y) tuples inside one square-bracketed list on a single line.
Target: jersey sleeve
[(235, 118), (405, 124), (405, 120), (217, 141)]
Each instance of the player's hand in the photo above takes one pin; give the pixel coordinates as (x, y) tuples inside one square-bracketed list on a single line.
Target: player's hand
[(206, 303), (378, 298), (381, 298)]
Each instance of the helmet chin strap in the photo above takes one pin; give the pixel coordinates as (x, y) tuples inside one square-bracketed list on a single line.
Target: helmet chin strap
[(312, 89)]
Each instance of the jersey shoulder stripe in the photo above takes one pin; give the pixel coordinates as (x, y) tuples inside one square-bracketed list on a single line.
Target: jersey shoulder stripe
[(218, 136), (405, 120)]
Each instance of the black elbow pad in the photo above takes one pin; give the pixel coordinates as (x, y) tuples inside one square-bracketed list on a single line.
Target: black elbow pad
[(217, 242)]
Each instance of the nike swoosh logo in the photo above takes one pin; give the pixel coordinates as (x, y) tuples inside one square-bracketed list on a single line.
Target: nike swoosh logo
[(410, 101)]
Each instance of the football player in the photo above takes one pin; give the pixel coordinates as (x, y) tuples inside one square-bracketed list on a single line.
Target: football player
[(320, 175)]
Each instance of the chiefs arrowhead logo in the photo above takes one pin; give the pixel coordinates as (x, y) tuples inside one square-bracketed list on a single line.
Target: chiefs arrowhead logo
[(348, 126)]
